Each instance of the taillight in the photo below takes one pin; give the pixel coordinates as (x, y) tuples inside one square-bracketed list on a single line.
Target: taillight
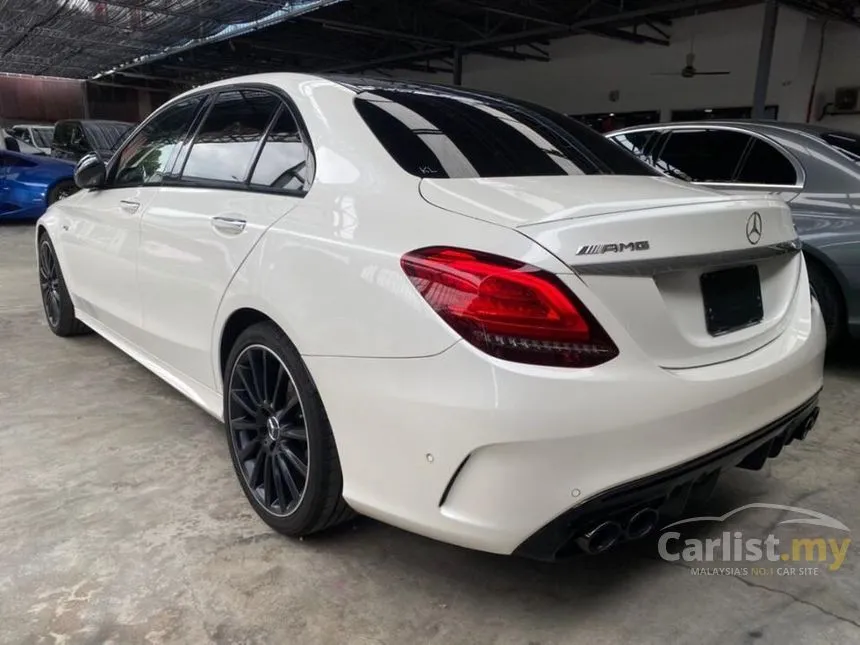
[(508, 309)]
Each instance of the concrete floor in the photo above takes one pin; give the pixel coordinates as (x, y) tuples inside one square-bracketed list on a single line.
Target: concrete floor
[(121, 522)]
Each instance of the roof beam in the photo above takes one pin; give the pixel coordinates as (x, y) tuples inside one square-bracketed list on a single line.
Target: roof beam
[(377, 31), (632, 37), (513, 54), (616, 19), (514, 14), (657, 29)]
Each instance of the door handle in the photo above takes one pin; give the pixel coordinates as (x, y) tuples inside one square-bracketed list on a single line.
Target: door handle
[(228, 225), (129, 206)]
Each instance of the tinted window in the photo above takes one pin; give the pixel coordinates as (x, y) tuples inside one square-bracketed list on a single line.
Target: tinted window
[(144, 160), (438, 134), (285, 161), (106, 137), (77, 138), (634, 142), (69, 136), (702, 155), (42, 137), (227, 142), (846, 143), (765, 164), (23, 134), (62, 134)]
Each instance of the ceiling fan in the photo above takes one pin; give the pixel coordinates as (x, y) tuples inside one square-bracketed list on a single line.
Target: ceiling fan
[(689, 70)]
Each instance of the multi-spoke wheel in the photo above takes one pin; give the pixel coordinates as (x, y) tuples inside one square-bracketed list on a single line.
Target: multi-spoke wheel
[(59, 310), (269, 433), (49, 283), (279, 437)]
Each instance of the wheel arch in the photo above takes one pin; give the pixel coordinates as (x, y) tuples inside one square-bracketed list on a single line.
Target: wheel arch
[(57, 181), (237, 322)]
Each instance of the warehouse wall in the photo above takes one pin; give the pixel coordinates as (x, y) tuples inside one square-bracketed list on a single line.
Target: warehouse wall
[(39, 99), (585, 69)]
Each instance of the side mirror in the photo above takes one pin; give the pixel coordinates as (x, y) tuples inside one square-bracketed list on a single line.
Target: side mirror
[(90, 172)]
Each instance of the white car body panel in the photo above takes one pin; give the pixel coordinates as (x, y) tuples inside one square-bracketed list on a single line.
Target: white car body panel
[(407, 398)]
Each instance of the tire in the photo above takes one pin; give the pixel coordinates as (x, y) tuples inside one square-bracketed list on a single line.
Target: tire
[(56, 302), (826, 290), (61, 190), (266, 379)]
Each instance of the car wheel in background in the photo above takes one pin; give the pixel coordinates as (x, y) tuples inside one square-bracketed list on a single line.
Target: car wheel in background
[(279, 436), (59, 310), (829, 296), (62, 190)]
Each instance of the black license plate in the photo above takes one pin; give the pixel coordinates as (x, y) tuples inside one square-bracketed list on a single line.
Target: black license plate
[(732, 299)]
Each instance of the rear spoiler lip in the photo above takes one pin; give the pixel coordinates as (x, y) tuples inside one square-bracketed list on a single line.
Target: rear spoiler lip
[(656, 266)]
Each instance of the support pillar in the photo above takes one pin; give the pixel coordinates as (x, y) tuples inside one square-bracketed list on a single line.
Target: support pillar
[(765, 56), (458, 67)]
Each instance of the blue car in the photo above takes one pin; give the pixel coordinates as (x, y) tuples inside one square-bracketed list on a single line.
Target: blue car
[(31, 183)]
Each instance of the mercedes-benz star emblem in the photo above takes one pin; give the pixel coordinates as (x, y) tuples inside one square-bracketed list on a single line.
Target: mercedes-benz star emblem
[(754, 228)]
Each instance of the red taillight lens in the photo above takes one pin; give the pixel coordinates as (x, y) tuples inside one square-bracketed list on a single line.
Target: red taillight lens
[(507, 308)]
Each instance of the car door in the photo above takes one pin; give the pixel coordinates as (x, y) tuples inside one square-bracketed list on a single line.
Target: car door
[(101, 228), (246, 167)]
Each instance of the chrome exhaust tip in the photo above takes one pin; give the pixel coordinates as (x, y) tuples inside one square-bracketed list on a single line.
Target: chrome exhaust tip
[(601, 538), (641, 523)]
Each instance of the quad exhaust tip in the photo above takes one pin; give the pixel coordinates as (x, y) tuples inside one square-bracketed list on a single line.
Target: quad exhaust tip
[(601, 538), (641, 523), (607, 534)]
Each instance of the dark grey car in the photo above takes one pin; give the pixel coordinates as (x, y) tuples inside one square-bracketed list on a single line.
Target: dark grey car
[(814, 168)]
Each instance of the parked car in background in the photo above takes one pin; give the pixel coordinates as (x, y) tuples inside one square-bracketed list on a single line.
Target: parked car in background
[(29, 184), (815, 169), (425, 304), (73, 139), (13, 144), (38, 136)]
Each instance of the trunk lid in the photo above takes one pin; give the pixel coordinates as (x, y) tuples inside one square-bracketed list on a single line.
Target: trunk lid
[(692, 276)]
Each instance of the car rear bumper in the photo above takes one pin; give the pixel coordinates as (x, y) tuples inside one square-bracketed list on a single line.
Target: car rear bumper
[(503, 457), (670, 491)]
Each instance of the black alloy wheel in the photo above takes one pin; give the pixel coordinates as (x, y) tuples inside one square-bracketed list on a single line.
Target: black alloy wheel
[(59, 309), (49, 283), (280, 439), (269, 435)]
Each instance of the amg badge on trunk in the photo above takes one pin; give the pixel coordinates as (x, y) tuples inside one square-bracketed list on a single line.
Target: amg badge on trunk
[(620, 247)]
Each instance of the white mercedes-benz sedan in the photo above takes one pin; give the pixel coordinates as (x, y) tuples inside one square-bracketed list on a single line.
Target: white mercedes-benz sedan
[(462, 314)]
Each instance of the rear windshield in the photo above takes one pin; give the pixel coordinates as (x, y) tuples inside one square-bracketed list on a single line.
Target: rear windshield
[(437, 134), (107, 136), (42, 137), (845, 142)]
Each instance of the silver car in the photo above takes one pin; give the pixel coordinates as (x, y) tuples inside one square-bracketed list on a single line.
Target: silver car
[(816, 169)]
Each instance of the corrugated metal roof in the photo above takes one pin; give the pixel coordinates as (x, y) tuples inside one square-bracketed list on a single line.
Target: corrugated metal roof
[(80, 38)]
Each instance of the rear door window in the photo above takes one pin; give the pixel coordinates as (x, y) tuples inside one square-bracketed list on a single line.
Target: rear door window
[(227, 142), (766, 165), (705, 155), (285, 163)]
